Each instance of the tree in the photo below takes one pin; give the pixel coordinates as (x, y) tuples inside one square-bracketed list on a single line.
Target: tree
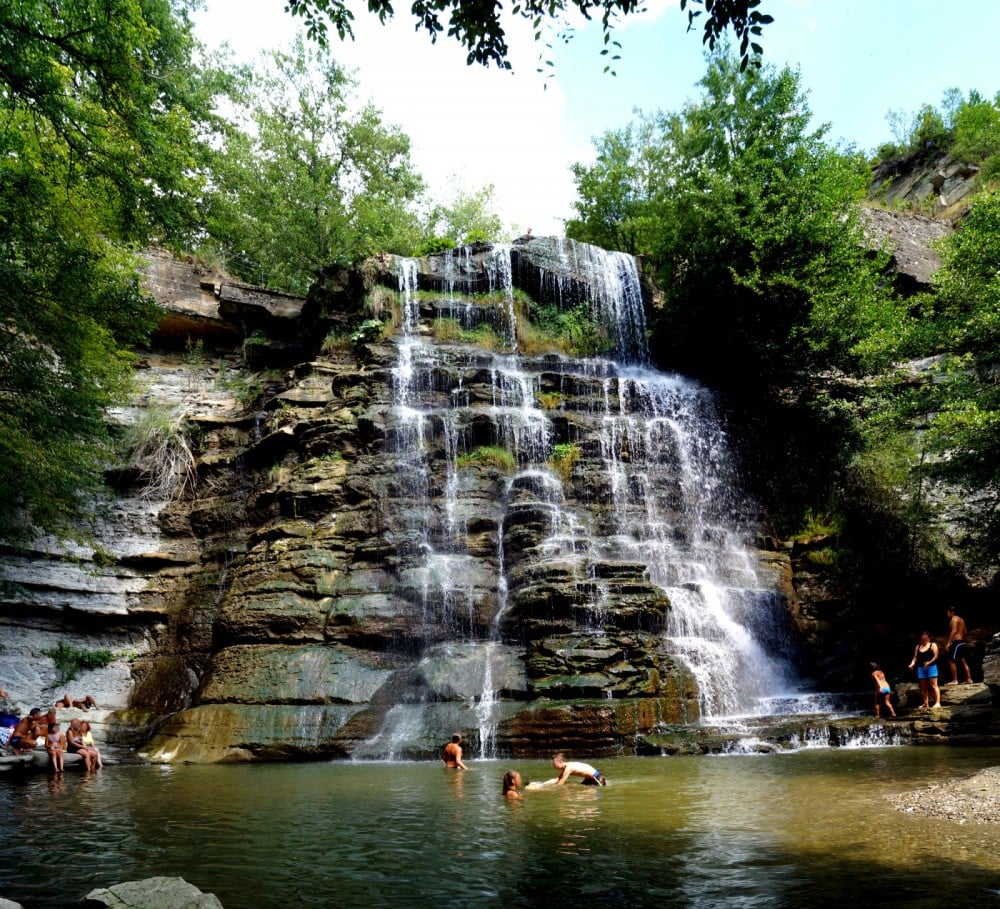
[(95, 160), (466, 218), (477, 25), (960, 324), (748, 219), (302, 180)]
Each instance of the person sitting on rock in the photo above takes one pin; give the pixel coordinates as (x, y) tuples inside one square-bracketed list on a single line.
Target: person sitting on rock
[(75, 745), (88, 740), (591, 776), (25, 735), (55, 745), (82, 704)]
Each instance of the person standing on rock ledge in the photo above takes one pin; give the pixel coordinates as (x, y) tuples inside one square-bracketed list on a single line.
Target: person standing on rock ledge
[(956, 646), (452, 753), (925, 656)]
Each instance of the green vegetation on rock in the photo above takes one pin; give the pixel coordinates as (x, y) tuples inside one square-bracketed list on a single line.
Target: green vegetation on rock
[(488, 455), (483, 335), (564, 458), (549, 329), (71, 661)]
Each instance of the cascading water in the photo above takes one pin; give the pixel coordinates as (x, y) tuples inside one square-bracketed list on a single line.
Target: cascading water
[(663, 498)]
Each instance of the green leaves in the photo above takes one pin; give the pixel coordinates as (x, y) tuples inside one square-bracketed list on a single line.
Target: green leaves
[(304, 179), (477, 24), (95, 159), (748, 219)]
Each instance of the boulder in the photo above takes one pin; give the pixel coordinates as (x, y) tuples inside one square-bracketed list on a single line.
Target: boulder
[(151, 893)]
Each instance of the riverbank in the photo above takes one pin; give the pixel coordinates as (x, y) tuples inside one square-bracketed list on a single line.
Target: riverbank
[(974, 799)]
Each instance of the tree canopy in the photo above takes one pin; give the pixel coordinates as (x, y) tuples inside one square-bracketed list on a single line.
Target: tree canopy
[(749, 220), (95, 159), (478, 24), (303, 176)]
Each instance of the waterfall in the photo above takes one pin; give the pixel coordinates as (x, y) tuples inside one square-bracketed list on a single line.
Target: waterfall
[(654, 501), (693, 537)]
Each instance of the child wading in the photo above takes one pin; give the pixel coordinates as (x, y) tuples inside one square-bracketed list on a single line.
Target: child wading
[(882, 691)]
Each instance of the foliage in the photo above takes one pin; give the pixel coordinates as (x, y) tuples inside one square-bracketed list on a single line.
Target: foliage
[(962, 324), (550, 400), (301, 179), (96, 159), (967, 128), (483, 335), (434, 245), (158, 446), (564, 458), (749, 220), (466, 218), (479, 29), (369, 330), (71, 661), (570, 331), (819, 525), (489, 456)]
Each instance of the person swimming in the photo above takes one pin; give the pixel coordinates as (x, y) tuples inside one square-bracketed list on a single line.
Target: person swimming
[(511, 783), (591, 775)]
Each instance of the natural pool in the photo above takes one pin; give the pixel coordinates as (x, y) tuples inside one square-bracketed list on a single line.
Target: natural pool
[(805, 829)]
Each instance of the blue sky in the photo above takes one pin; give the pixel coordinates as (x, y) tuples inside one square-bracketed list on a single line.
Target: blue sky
[(859, 59)]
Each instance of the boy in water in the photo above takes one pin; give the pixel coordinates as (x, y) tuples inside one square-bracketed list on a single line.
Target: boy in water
[(451, 754), (882, 690), (591, 776)]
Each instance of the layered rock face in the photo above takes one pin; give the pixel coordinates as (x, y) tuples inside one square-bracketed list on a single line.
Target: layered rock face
[(388, 532), (430, 532)]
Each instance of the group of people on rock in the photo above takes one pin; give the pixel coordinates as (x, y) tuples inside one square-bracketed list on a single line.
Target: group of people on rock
[(38, 728), (590, 776), (925, 662)]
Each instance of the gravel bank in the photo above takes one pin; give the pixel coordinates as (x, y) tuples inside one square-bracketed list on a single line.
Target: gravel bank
[(973, 799)]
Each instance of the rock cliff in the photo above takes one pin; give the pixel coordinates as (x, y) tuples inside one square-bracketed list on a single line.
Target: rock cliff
[(399, 508), (385, 525)]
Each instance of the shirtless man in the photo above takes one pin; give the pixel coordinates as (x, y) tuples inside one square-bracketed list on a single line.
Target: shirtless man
[(25, 735), (452, 753), (956, 647), (591, 776)]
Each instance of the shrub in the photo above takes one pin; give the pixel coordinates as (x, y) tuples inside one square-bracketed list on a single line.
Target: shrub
[(573, 332), (483, 335), (71, 661), (563, 459), (157, 444), (550, 400), (489, 455)]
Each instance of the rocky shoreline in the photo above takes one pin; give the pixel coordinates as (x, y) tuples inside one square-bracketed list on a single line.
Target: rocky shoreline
[(975, 799)]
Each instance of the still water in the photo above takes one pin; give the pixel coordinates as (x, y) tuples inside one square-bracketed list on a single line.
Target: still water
[(806, 829)]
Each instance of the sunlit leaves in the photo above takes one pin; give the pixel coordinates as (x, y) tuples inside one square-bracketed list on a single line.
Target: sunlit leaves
[(306, 178)]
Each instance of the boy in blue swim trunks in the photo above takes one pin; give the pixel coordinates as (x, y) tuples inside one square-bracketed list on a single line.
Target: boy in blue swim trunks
[(591, 776), (882, 690)]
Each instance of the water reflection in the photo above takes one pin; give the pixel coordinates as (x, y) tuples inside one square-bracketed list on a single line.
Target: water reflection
[(799, 830)]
